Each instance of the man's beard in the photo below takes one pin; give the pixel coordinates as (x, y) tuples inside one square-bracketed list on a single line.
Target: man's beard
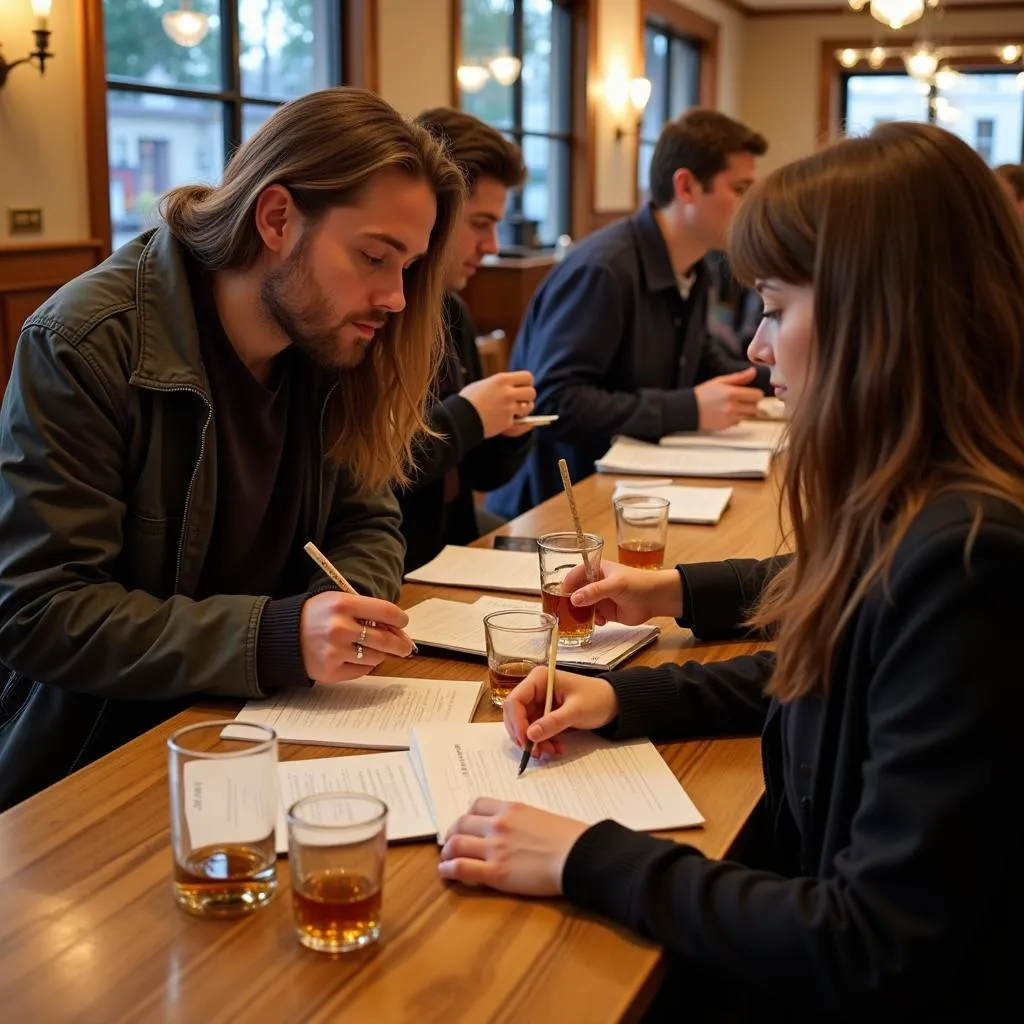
[(295, 302)]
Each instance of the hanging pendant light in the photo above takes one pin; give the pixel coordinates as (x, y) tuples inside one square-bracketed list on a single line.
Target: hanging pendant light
[(472, 77), (921, 64), (186, 27), (505, 67)]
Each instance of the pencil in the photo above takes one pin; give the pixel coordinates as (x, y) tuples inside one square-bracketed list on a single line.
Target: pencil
[(334, 575), (548, 696), (563, 468)]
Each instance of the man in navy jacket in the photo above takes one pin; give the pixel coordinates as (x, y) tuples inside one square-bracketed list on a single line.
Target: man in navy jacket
[(616, 337)]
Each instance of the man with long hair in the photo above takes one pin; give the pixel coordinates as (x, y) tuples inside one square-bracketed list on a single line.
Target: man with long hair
[(477, 443), (180, 420), (617, 337)]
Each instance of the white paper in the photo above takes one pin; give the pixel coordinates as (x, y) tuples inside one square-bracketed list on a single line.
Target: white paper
[(376, 712), (482, 568), (595, 778), (703, 505), (629, 456), (753, 435), (390, 777), (457, 626), (229, 801)]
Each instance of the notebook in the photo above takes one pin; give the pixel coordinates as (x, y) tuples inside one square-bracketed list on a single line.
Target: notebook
[(752, 435), (629, 456), (703, 505), (458, 626), (482, 568), (376, 712), (595, 778)]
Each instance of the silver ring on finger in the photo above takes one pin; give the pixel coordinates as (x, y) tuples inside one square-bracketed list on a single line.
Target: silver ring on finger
[(359, 652), (372, 624), (362, 633)]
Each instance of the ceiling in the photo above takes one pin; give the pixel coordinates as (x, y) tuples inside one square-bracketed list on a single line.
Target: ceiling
[(839, 5)]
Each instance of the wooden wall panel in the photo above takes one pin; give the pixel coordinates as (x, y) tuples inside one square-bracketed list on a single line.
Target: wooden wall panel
[(30, 274)]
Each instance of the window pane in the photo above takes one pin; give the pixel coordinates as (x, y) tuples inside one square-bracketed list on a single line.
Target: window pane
[(872, 99), (987, 112), (643, 181), (285, 46), (547, 66), (139, 49), (253, 115), (656, 70), (684, 68), (157, 142), (546, 193), (486, 32)]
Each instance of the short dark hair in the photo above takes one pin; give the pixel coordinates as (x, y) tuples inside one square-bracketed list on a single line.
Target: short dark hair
[(701, 141), (1014, 174), (479, 150)]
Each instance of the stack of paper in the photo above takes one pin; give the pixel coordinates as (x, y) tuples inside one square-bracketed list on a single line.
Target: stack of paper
[(629, 456), (428, 787), (457, 626), (376, 712), (481, 568), (686, 504), (751, 435), (595, 779)]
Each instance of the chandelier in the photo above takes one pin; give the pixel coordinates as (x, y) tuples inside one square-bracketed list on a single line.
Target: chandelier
[(894, 13)]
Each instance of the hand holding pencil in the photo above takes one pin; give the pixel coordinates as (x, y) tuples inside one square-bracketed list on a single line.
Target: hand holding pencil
[(577, 702), (343, 635)]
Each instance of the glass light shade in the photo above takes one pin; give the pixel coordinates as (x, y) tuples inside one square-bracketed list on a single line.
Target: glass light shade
[(877, 57), (1010, 54), (472, 77), (505, 68), (639, 93), (848, 58), (921, 64), (896, 13), (858, 5), (947, 78), (186, 27), (41, 8)]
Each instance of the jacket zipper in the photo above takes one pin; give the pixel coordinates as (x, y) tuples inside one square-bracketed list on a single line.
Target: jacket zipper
[(195, 472)]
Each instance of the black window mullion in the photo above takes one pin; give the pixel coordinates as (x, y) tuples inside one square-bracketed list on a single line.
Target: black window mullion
[(232, 71), (518, 50)]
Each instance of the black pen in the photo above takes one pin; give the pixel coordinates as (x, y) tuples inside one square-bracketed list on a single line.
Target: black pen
[(528, 749)]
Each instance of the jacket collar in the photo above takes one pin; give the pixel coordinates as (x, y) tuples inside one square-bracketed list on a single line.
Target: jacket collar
[(169, 354), (659, 274)]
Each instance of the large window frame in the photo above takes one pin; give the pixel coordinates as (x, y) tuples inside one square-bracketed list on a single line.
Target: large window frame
[(564, 38), (352, 60)]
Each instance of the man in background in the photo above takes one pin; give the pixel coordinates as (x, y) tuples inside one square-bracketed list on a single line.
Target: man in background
[(477, 444), (616, 336), (1011, 177)]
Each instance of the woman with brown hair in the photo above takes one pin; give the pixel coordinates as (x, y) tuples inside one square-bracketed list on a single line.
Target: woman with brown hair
[(894, 319)]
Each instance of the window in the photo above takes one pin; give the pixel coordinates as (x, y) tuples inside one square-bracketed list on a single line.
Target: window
[(175, 113), (984, 108), (672, 63), (535, 110)]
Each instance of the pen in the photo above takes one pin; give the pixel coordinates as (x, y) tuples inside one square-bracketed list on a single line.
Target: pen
[(549, 694), (334, 575)]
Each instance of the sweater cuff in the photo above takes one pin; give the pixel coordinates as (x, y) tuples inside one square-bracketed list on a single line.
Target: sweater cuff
[(644, 694), (709, 599), (681, 411), (278, 651), (469, 428), (603, 866)]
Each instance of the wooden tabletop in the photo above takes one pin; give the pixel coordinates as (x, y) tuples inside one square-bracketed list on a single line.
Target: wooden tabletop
[(89, 931)]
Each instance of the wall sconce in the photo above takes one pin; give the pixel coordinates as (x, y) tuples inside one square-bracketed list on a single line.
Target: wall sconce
[(638, 92), (41, 9)]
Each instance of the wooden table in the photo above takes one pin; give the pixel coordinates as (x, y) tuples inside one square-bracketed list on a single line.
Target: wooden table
[(89, 932)]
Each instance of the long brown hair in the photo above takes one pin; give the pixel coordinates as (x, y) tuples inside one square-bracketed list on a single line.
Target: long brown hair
[(325, 148), (916, 379)]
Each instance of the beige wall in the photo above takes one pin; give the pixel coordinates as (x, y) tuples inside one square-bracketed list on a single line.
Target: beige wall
[(415, 53), (42, 135), (780, 73)]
